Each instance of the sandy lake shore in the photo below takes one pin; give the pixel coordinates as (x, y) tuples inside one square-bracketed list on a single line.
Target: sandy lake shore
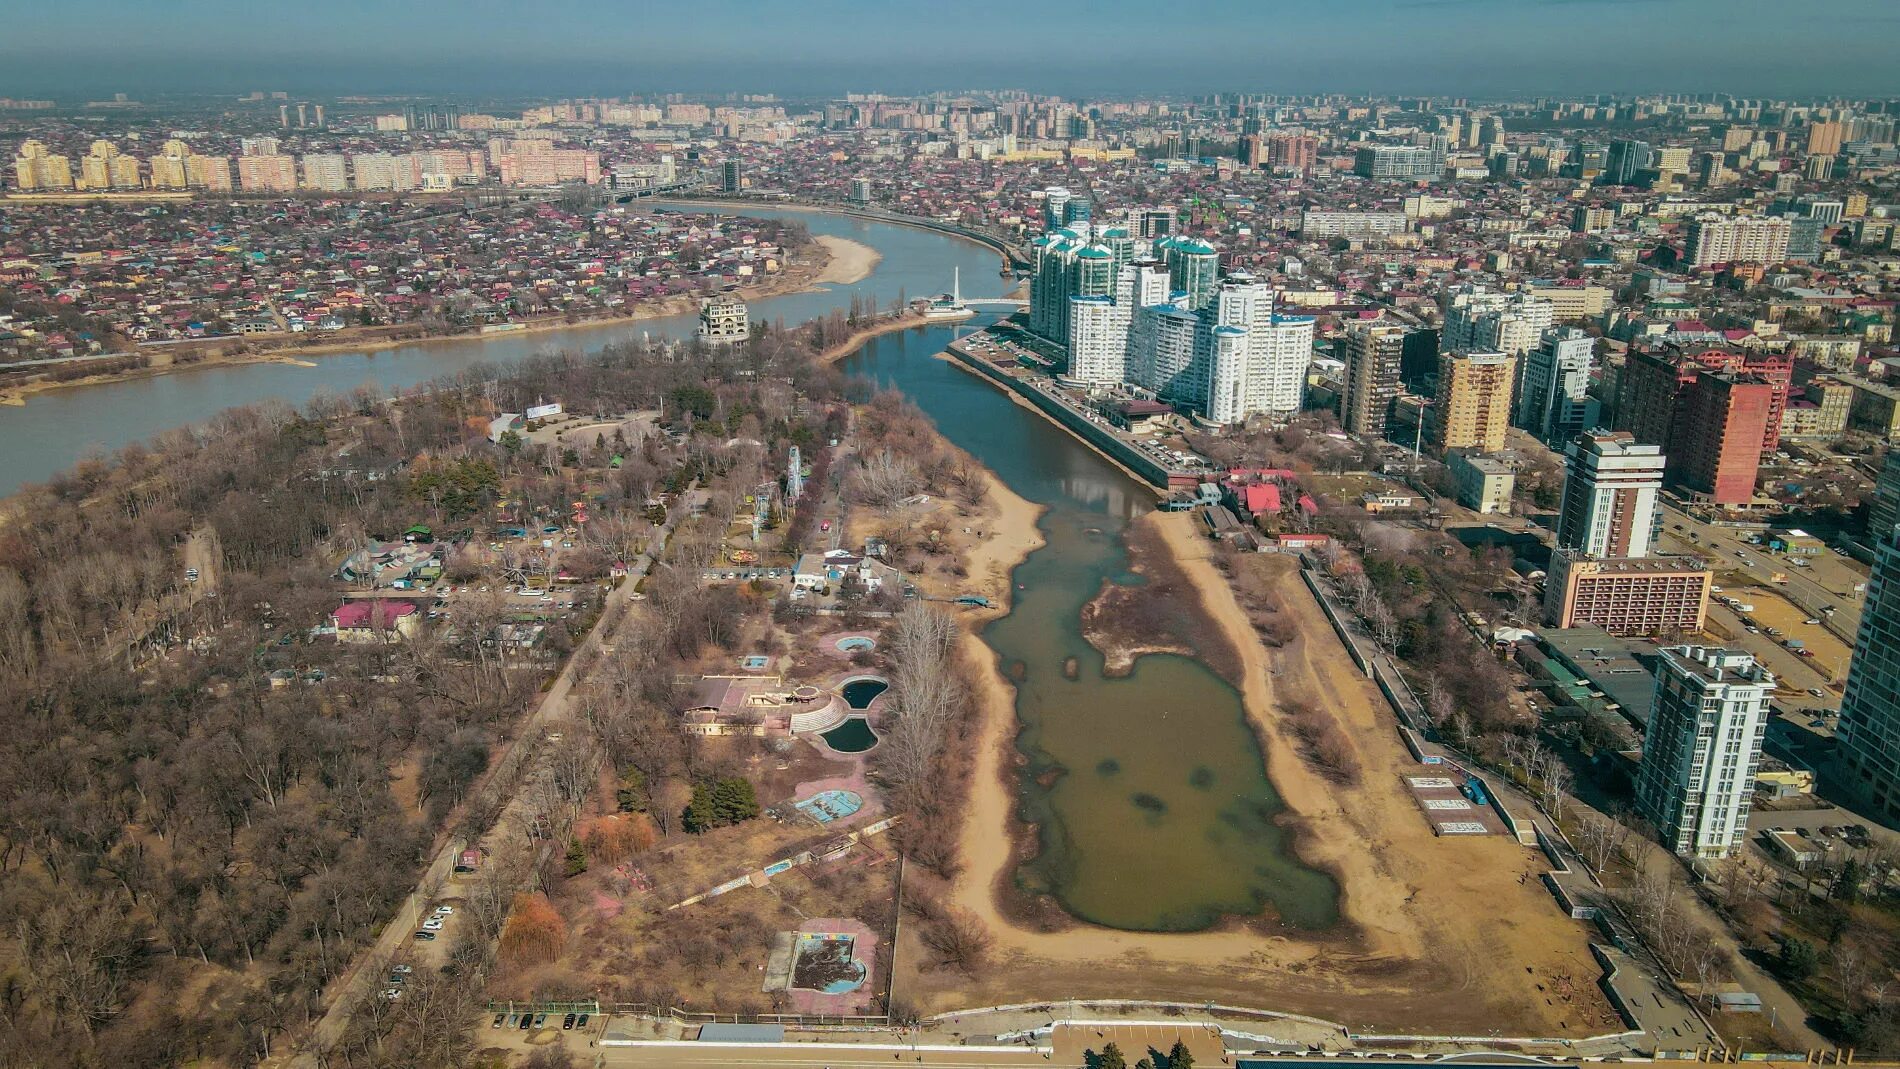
[(1441, 936)]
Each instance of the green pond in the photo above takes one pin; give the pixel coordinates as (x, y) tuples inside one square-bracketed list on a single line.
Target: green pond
[(852, 736), (1149, 791)]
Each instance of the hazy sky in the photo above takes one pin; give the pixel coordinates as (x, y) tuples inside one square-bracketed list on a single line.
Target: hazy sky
[(831, 46)]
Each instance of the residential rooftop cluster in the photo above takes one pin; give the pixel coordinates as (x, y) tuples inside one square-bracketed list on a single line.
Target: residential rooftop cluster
[(109, 277)]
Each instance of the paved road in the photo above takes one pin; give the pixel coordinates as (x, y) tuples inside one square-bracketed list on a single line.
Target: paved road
[(1830, 581), (817, 1056), (366, 974)]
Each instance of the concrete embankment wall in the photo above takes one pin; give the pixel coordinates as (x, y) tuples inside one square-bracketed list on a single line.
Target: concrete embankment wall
[(1145, 467)]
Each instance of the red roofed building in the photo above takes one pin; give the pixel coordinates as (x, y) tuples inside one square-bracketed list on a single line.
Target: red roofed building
[(375, 620), (1260, 498)]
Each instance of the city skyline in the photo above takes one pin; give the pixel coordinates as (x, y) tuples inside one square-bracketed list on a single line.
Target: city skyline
[(1452, 47)]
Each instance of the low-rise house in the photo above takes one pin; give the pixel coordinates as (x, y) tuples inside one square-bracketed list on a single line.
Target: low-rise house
[(375, 620), (819, 571)]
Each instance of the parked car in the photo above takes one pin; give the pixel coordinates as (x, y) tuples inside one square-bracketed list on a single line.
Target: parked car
[(425, 937), (433, 924), (498, 1019), (540, 1019), (527, 1021), (1816, 692), (582, 1023), (567, 1022)]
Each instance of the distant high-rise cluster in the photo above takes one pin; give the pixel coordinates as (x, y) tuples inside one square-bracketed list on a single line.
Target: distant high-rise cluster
[(1159, 316)]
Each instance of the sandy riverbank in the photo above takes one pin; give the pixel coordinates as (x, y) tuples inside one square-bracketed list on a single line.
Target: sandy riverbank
[(831, 261), (1436, 931), (851, 261), (887, 325)]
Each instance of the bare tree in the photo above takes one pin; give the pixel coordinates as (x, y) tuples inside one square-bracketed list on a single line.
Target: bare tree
[(884, 478)]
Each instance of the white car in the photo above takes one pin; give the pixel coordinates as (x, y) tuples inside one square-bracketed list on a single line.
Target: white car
[(443, 911), (433, 924)]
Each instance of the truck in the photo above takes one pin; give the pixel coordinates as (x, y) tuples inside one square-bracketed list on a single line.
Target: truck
[(1794, 644)]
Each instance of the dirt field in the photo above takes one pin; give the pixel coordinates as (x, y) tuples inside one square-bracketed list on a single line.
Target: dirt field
[(1444, 936), (1772, 610)]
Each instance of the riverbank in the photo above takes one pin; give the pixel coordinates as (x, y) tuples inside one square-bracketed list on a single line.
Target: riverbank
[(738, 206), (885, 324), (1433, 933), (849, 262), (832, 261), (1021, 402)]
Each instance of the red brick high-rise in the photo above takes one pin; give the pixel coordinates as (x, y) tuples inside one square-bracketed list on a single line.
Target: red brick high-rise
[(1717, 448), (1650, 395)]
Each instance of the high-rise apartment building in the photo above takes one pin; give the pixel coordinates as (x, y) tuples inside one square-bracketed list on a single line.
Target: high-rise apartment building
[(1411, 163), (325, 171), (1477, 318), (209, 173), (171, 168), (1652, 391), (1054, 199), (1373, 356), (1870, 711), (1193, 269), (1256, 361), (731, 179), (1098, 340), (1716, 239), (1718, 448), (1824, 138), (1067, 265), (1702, 749), (267, 174), (1883, 511), (1553, 397), (1626, 158), (381, 171), (1473, 406), (36, 169), (1609, 507), (105, 167), (1292, 152)]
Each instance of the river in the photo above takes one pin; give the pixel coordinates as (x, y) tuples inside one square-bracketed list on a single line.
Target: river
[(1149, 791), (56, 428)]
